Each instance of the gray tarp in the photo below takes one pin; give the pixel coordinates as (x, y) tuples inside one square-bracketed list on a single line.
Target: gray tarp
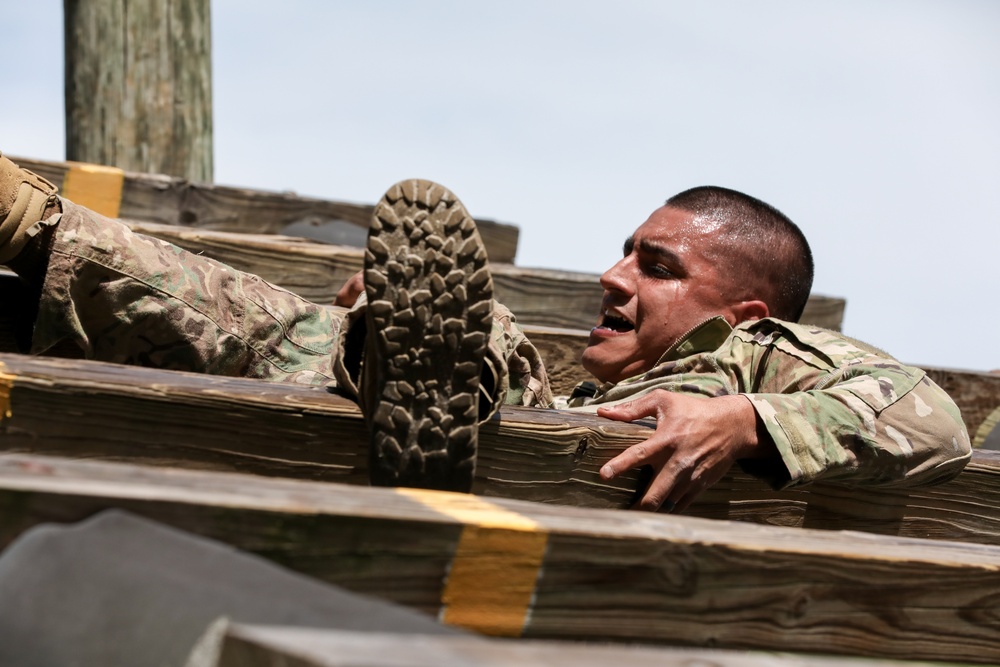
[(120, 590)]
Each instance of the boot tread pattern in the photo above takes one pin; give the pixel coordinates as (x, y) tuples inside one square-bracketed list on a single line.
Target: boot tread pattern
[(430, 315)]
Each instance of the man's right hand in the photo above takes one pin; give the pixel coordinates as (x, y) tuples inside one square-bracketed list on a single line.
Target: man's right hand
[(697, 439)]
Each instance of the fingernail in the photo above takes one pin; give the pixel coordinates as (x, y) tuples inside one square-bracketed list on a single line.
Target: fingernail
[(607, 472)]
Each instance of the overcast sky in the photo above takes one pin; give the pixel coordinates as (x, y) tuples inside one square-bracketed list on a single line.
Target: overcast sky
[(875, 125)]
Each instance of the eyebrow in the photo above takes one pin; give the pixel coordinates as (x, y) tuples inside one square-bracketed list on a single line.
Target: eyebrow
[(628, 245)]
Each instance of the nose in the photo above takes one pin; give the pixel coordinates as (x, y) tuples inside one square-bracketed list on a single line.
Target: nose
[(616, 279)]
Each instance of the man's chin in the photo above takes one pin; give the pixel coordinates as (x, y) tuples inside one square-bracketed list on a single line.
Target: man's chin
[(595, 361)]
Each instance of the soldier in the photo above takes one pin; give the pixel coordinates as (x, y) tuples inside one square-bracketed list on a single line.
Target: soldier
[(696, 331)]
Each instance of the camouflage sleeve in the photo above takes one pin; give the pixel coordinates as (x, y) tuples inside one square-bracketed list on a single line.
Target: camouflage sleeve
[(839, 411)]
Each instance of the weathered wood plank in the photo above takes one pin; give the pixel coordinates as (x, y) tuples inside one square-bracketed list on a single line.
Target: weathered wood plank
[(139, 85), (175, 201), (317, 271), (93, 410), (591, 574), (977, 394), (271, 646), (309, 268)]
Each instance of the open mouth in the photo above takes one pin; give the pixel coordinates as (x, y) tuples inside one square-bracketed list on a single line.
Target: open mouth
[(615, 323)]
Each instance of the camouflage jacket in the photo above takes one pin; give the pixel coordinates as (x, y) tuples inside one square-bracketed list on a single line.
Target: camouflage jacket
[(836, 409)]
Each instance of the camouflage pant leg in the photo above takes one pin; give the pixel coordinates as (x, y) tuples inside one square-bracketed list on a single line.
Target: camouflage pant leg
[(131, 299), (524, 381)]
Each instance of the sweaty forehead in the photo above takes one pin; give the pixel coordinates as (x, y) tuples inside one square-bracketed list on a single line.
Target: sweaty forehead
[(680, 229)]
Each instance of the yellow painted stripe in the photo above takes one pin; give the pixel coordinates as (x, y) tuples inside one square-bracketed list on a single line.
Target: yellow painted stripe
[(95, 187), (6, 384), (491, 583)]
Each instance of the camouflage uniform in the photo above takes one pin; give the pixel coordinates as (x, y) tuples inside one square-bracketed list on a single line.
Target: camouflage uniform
[(113, 295), (836, 409)]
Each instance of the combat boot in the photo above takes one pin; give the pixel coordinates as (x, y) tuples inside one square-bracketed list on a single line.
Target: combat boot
[(25, 199), (428, 320)]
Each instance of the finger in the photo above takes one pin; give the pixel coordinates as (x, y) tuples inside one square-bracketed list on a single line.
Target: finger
[(633, 457), (668, 486), (348, 295), (644, 406)]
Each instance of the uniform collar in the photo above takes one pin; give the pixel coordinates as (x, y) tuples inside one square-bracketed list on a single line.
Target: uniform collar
[(705, 337)]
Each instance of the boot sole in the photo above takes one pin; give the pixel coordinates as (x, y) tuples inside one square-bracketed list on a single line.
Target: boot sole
[(429, 316)]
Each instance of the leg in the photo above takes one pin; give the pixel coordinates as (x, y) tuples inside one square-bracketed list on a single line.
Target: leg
[(118, 296)]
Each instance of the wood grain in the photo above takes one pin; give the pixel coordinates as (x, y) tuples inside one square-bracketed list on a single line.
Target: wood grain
[(606, 575), (976, 393), (139, 85), (93, 410), (176, 201)]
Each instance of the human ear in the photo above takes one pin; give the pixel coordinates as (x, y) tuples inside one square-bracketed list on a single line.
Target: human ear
[(747, 311)]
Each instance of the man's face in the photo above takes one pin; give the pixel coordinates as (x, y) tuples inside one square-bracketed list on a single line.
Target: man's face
[(666, 284)]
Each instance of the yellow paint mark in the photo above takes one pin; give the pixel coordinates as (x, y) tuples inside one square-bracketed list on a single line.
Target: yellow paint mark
[(6, 384), (94, 186), (491, 584)]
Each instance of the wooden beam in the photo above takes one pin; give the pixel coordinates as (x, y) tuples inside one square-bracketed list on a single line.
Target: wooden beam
[(92, 410), (317, 271), (177, 201), (139, 85), (977, 395), (512, 568), (273, 646)]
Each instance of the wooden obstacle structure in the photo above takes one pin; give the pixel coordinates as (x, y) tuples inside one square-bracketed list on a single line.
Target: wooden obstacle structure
[(512, 568), (916, 577), (177, 201), (92, 410)]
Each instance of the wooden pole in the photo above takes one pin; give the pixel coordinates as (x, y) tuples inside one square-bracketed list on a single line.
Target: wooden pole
[(139, 85)]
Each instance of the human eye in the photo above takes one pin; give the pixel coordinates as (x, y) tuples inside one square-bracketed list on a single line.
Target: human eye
[(656, 269), (659, 271)]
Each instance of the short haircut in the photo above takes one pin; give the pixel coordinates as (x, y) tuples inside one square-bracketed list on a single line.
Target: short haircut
[(763, 254)]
